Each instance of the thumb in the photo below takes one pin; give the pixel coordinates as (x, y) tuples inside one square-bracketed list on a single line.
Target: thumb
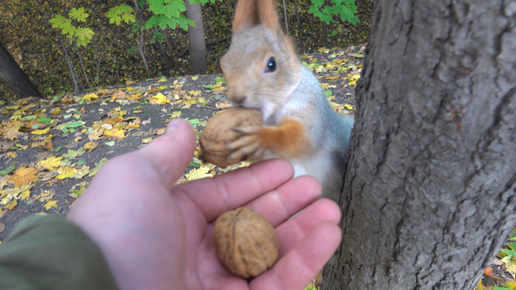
[(171, 153)]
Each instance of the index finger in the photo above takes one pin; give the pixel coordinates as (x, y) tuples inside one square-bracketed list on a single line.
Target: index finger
[(228, 191)]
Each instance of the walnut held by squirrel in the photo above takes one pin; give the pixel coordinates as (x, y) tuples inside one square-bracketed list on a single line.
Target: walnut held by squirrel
[(219, 133), (262, 71)]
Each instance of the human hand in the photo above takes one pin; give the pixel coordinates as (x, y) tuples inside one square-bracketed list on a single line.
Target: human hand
[(155, 235)]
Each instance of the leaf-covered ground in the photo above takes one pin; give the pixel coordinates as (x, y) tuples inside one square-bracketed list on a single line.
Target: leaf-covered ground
[(50, 149)]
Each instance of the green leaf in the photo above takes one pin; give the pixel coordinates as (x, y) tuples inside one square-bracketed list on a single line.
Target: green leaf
[(121, 13), (73, 124), (44, 120), (84, 36), (71, 154), (8, 170), (78, 14), (58, 21)]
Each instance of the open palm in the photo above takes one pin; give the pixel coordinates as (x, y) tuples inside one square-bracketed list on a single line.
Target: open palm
[(155, 235)]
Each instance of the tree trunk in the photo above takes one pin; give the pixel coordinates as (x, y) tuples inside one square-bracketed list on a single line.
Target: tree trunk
[(140, 44), (299, 30), (196, 43), (429, 193), (15, 77)]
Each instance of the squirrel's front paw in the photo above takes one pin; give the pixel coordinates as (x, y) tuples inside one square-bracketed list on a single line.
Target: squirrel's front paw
[(247, 147)]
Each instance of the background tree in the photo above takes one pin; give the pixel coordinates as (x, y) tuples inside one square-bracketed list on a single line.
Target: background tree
[(15, 77), (429, 195), (196, 43)]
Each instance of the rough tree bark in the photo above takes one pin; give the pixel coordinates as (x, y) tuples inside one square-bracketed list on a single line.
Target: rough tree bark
[(429, 194), (196, 42), (15, 77)]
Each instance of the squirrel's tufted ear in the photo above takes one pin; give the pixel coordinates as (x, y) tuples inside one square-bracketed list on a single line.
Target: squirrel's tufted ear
[(254, 12)]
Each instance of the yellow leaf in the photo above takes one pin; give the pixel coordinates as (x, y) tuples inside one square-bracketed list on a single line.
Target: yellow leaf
[(510, 285), (12, 154), (510, 266), (194, 92), (55, 111), (198, 173), (11, 131), (40, 132), (159, 99), (46, 195), (203, 101), (51, 163), (25, 195), (88, 97), (146, 140), (90, 146), (24, 175), (479, 285), (96, 133), (11, 205), (65, 172), (13, 193), (48, 139), (116, 133), (175, 114), (134, 97), (50, 204), (80, 173), (349, 107)]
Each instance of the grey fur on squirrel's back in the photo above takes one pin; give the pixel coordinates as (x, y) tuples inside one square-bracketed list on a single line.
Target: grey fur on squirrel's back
[(330, 133)]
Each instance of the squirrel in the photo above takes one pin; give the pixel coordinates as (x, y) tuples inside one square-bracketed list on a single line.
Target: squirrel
[(262, 71)]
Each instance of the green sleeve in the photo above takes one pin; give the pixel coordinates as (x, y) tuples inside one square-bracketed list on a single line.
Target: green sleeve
[(49, 252)]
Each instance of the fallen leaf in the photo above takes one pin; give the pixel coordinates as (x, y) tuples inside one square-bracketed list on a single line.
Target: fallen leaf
[(12, 154), (11, 204), (90, 146), (223, 105), (80, 173), (71, 154), (8, 170), (89, 97), (349, 107), (51, 163), (50, 204), (116, 133), (489, 272), (65, 172), (146, 140), (198, 173), (510, 265), (159, 99), (24, 175)]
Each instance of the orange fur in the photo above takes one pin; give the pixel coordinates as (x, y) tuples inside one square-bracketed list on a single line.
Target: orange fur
[(288, 140)]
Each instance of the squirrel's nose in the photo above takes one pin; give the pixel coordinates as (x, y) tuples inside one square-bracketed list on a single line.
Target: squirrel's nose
[(238, 100)]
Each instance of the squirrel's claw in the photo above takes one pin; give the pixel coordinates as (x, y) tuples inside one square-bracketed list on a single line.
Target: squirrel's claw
[(248, 146), (248, 130)]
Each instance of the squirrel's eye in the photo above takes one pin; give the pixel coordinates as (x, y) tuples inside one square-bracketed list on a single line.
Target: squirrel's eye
[(271, 65)]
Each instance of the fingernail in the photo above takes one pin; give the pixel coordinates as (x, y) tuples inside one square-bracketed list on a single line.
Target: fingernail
[(173, 125)]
